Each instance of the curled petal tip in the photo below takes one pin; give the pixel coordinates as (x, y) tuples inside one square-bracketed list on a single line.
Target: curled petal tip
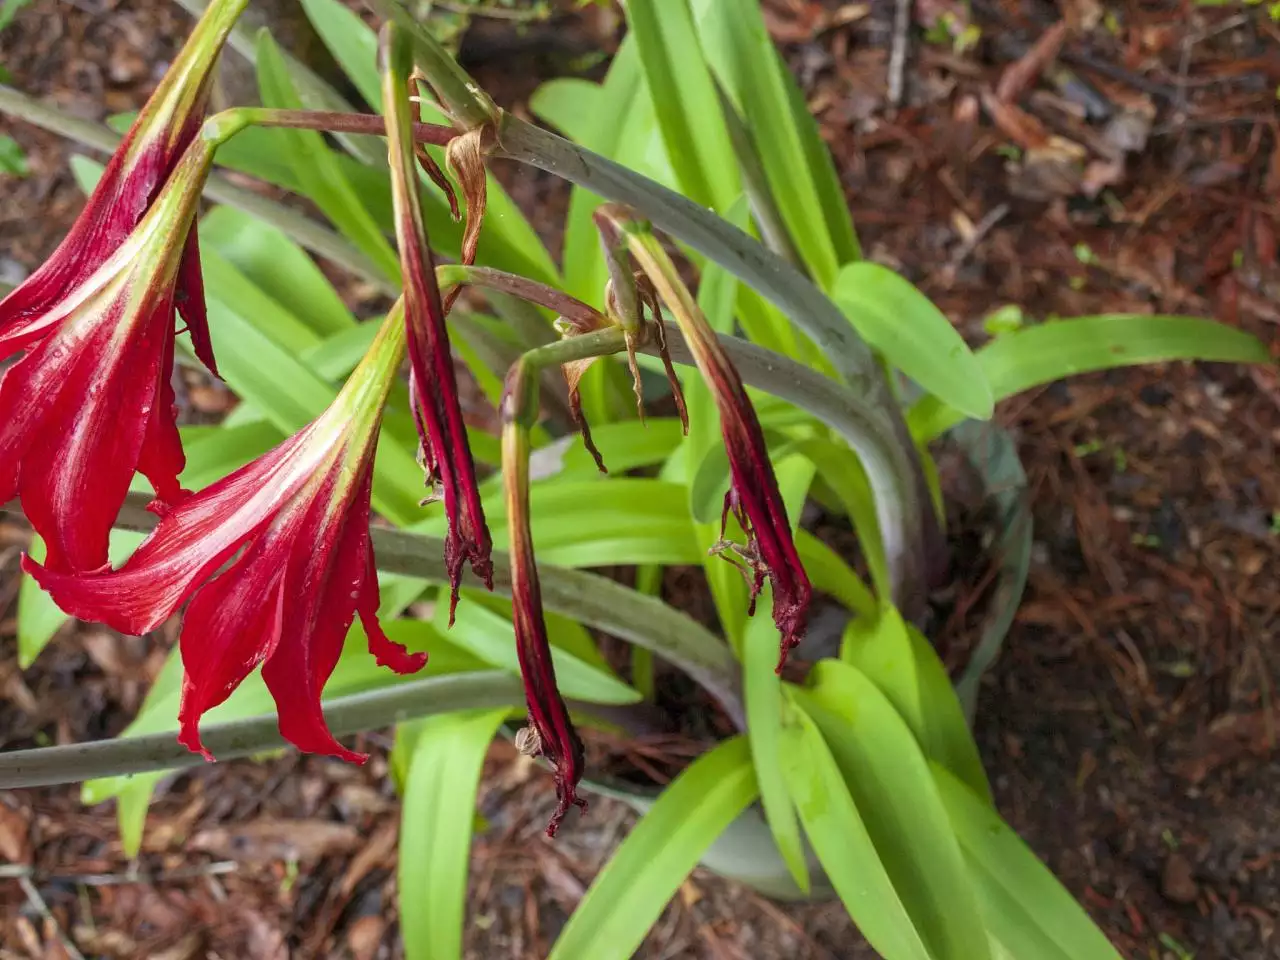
[(190, 738), (392, 655), (567, 797)]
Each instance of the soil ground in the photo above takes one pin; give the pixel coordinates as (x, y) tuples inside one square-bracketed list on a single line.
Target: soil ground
[(1129, 726)]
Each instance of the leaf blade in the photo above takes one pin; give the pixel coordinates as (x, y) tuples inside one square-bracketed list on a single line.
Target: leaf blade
[(435, 831), (1060, 348), (914, 335), (629, 894)]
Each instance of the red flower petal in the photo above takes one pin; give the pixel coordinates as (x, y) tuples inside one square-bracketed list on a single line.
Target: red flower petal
[(233, 623), (386, 651), (95, 390), (324, 578), (161, 458), (191, 541), (191, 302)]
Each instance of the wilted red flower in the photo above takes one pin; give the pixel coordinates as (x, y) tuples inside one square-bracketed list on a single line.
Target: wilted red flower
[(554, 736), (299, 518), (433, 386), (91, 400), (753, 496)]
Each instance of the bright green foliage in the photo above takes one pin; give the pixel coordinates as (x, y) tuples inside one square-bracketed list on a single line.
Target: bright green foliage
[(868, 771), (905, 668), (1029, 914), (686, 102), (913, 335), (843, 845), (762, 691), (882, 766), (1049, 351), (435, 830), (629, 894)]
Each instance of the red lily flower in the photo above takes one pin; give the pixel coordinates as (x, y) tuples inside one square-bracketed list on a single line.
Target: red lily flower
[(91, 399), (298, 516)]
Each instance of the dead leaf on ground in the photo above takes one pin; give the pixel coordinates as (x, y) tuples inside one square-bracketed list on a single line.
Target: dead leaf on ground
[(15, 840), (272, 840), (1024, 71), (378, 852), (364, 936)]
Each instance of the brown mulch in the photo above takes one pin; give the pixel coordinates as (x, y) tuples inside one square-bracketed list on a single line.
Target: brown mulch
[(1129, 726)]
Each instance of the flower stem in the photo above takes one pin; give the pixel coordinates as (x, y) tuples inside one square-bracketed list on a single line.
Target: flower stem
[(325, 122), (329, 121), (456, 274)]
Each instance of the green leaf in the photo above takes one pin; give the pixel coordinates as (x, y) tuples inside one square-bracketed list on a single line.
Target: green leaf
[(905, 668), (13, 159), (617, 114), (321, 176), (882, 765), (822, 169), (762, 693), (269, 376), (684, 95), (212, 456), (843, 846), (646, 870), (743, 57), (39, 618), (1028, 912), (841, 470), (1050, 351), (351, 43), (490, 637), (435, 830), (830, 573), (591, 523), (131, 812), (914, 335), (278, 267), (569, 104), (625, 446)]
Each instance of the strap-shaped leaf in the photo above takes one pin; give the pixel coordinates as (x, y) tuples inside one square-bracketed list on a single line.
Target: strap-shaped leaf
[(685, 101), (1050, 351), (629, 894), (889, 780), (913, 335), (490, 637), (321, 177), (743, 56), (843, 845), (905, 668), (39, 618), (508, 242), (435, 831), (1028, 912), (762, 693)]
